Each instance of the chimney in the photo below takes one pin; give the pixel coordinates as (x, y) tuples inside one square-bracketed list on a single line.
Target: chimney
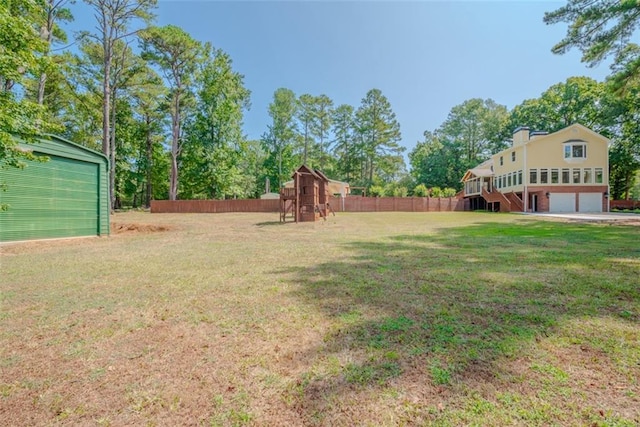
[(520, 135), (537, 133)]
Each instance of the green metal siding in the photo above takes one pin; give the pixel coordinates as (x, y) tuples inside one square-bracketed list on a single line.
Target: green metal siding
[(63, 197)]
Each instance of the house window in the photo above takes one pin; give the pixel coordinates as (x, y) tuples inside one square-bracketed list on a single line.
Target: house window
[(587, 176), (509, 180), (501, 161), (599, 176), (576, 176), (565, 176), (513, 156), (519, 177), (544, 176), (533, 176), (554, 176), (575, 150)]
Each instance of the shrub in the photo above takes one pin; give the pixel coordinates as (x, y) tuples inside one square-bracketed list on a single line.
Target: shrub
[(421, 190), (400, 192), (376, 191), (436, 192), (393, 189), (449, 192), (390, 189)]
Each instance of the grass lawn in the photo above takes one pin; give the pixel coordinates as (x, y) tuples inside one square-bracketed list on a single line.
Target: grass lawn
[(365, 319)]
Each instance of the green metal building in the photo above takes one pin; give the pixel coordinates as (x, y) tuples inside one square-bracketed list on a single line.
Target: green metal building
[(66, 196)]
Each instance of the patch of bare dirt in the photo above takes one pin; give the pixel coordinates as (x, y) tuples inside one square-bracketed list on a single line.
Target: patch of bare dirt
[(118, 228)]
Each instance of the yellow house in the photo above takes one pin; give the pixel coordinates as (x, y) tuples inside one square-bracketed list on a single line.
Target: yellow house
[(566, 171)]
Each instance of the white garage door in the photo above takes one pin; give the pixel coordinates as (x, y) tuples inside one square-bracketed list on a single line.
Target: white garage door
[(590, 202), (562, 202)]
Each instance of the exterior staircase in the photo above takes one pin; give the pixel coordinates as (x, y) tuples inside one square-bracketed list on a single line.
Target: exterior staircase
[(509, 202), (496, 196), (516, 202)]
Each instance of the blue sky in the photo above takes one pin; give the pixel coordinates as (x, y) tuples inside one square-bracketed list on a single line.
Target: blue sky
[(425, 56)]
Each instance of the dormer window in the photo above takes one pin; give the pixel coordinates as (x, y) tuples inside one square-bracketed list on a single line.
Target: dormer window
[(575, 150)]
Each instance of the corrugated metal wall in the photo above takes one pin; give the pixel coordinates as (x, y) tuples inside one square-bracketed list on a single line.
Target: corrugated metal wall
[(65, 196)]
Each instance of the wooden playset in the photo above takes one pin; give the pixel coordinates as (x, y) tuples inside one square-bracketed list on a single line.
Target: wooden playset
[(308, 200)]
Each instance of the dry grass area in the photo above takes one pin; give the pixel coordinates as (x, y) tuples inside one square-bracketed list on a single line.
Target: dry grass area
[(365, 319)]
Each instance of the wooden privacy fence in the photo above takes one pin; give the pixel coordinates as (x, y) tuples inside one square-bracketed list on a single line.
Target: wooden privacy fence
[(624, 204), (397, 204), (215, 206), (347, 204)]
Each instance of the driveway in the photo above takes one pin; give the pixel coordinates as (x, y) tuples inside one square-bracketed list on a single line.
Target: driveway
[(592, 217)]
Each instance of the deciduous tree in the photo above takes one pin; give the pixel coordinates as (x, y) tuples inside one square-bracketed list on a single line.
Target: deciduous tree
[(478, 127), (20, 50), (214, 142), (280, 138), (436, 161), (578, 100)]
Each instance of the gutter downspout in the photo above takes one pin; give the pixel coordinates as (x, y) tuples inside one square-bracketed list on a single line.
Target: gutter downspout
[(606, 173), (525, 202)]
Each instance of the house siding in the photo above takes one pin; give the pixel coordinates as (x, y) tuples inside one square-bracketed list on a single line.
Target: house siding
[(545, 155)]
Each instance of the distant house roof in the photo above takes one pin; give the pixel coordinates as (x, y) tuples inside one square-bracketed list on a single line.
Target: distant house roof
[(321, 175), (270, 196)]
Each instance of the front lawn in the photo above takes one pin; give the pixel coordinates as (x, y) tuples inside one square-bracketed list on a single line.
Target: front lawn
[(365, 319)]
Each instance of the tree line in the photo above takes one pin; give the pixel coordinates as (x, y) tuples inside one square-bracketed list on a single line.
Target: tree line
[(167, 109)]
